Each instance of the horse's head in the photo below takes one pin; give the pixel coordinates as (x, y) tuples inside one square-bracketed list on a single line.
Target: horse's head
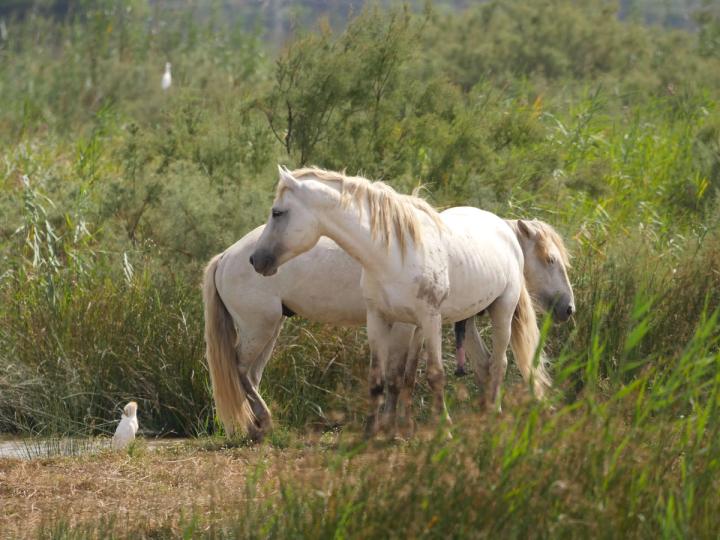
[(291, 229), (546, 262)]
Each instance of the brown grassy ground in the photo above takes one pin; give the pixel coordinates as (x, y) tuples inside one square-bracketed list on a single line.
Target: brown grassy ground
[(152, 486), (159, 487)]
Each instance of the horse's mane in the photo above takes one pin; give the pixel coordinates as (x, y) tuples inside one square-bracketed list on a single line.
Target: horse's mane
[(547, 235), (389, 211)]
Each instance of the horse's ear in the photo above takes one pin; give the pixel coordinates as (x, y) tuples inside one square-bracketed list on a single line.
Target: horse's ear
[(286, 178), (525, 229)]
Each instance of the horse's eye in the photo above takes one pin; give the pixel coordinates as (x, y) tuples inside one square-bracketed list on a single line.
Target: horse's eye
[(277, 213), (551, 260)]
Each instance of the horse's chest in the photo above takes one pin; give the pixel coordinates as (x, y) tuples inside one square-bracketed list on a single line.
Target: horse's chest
[(403, 300)]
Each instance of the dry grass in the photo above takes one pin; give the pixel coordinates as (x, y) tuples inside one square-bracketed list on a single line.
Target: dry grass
[(159, 488), (151, 488)]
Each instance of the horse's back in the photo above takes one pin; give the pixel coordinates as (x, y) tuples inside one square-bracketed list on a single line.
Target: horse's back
[(469, 226), (485, 260)]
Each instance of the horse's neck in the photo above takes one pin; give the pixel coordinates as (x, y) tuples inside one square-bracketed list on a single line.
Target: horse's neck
[(351, 230), (513, 223)]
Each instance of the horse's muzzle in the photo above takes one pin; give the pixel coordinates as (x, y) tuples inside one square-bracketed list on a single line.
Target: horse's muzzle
[(562, 311), (264, 262)]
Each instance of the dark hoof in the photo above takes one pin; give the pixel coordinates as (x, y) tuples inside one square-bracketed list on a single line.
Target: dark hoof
[(460, 371), (259, 428), (256, 435)]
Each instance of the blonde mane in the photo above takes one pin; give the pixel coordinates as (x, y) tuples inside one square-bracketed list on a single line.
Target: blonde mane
[(546, 235), (390, 212)]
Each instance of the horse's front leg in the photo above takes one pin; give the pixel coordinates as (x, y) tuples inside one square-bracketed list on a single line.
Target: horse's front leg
[(401, 337), (406, 391), (379, 337), (432, 332)]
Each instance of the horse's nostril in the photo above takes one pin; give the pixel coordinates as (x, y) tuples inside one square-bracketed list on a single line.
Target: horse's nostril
[(252, 260), (570, 310)]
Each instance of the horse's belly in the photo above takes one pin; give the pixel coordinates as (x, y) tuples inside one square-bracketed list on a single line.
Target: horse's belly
[(348, 310), (475, 285), (464, 301), (324, 287)]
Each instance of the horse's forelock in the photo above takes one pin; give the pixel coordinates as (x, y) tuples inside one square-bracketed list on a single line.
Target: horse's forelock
[(281, 188), (547, 236)]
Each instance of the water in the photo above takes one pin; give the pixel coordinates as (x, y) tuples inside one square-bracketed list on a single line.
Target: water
[(37, 448)]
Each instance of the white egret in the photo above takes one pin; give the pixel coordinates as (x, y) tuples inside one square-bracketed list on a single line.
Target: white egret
[(166, 78), (125, 432)]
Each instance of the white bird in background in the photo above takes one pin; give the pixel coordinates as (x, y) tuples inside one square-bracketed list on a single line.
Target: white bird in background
[(125, 432), (166, 78)]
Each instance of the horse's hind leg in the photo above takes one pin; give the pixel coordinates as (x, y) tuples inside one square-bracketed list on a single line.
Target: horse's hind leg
[(263, 418), (258, 367), (501, 313), (256, 338), (479, 355), (460, 326)]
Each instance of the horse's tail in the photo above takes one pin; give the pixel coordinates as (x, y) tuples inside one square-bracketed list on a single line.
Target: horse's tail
[(221, 340), (525, 340)]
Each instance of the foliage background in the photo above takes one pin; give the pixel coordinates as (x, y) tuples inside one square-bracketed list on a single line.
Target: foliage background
[(114, 194)]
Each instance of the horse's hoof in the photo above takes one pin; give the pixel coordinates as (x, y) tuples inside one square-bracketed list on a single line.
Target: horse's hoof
[(460, 371), (256, 435)]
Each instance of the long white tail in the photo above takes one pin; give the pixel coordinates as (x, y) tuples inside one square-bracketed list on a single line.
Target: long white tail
[(221, 340), (524, 340)]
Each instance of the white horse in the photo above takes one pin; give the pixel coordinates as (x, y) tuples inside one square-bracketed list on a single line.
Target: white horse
[(260, 304), (546, 261), (410, 256)]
